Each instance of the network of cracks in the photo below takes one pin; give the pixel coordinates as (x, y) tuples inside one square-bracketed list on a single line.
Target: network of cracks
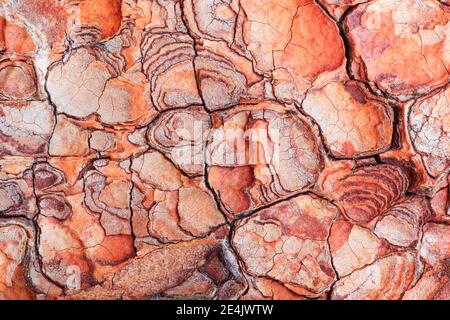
[(224, 149)]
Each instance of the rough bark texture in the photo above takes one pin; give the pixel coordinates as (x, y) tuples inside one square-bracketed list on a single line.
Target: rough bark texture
[(224, 149)]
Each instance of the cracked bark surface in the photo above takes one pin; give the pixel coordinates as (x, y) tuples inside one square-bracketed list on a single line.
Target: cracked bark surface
[(386, 35), (224, 149)]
